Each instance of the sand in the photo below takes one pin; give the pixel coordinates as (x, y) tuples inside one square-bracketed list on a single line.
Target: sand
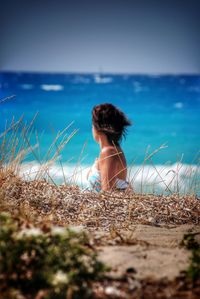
[(137, 235), (156, 252)]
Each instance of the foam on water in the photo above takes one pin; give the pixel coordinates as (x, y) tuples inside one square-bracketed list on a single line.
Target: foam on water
[(151, 179), (81, 79), (178, 105), (48, 87), (27, 86), (102, 80)]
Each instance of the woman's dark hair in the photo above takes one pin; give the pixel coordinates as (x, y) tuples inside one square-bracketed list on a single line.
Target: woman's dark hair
[(111, 121)]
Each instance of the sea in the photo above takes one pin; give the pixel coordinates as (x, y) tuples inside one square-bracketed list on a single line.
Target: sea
[(162, 146)]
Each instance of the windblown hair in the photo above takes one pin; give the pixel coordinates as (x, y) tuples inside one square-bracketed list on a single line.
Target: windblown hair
[(111, 121)]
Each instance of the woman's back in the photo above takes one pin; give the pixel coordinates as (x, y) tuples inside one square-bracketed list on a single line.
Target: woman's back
[(112, 166), (118, 157), (108, 127)]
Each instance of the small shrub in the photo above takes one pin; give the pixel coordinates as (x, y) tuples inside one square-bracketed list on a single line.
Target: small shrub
[(192, 244), (58, 262)]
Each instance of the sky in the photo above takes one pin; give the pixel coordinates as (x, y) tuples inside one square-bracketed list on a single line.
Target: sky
[(111, 36)]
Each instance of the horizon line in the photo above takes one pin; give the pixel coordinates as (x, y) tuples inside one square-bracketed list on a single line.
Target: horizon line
[(102, 73)]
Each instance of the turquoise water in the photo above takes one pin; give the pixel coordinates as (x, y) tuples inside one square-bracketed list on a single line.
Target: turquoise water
[(163, 109)]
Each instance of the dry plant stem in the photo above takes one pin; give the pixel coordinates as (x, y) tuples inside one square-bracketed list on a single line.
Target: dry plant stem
[(160, 176), (59, 134), (194, 177), (147, 158), (36, 157), (155, 178), (157, 150), (9, 143), (78, 162), (177, 175), (62, 145), (38, 142), (143, 164), (130, 168), (45, 167), (171, 179), (189, 171), (99, 210), (118, 154), (12, 126), (13, 142), (7, 98), (25, 131), (60, 161)]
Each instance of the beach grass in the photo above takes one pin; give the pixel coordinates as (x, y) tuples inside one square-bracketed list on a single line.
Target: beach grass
[(39, 200), (162, 207), (20, 139)]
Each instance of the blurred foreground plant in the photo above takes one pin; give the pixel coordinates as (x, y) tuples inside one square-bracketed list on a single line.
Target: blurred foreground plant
[(49, 262), (192, 244)]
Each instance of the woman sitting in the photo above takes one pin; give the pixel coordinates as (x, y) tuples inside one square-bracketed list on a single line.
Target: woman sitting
[(109, 170)]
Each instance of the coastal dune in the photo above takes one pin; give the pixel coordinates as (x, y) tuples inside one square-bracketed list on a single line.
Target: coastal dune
[(138, 235)]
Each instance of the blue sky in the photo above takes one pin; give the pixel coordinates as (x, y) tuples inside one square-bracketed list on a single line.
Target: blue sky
[(115, 36)]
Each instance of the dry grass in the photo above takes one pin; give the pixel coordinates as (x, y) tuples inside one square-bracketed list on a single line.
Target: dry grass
[(43, 198), (19, 139), (41, 201)]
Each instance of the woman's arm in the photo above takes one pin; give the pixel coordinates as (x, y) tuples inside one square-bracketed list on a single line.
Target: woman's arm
[(107, 166)]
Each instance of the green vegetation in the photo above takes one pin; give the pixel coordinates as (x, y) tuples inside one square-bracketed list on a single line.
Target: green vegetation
[(52, 261), (192, 244)]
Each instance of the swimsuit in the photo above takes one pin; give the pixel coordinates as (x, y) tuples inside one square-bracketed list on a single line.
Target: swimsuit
[(94, 181)]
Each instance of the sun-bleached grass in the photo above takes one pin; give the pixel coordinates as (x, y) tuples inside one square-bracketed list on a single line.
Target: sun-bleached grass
[(146, 178), (41, 194), (39, 201), (177, 178), (16, 143)]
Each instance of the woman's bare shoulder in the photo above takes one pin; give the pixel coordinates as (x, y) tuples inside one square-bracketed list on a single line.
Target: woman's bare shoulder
[(108, 149), (110, 152)]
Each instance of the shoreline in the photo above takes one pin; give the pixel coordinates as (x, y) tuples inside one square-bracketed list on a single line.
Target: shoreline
[(159, 179)]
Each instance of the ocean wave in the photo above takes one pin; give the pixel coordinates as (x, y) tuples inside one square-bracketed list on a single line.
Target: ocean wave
[(71, 174), (52, 87), (177, 177), (99, 79), (178, 105), (194, 89), (157, 179), (27, 86), (138, 87), (81, 79)]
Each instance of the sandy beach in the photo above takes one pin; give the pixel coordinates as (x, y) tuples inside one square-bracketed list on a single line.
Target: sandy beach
[(138, 236)]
